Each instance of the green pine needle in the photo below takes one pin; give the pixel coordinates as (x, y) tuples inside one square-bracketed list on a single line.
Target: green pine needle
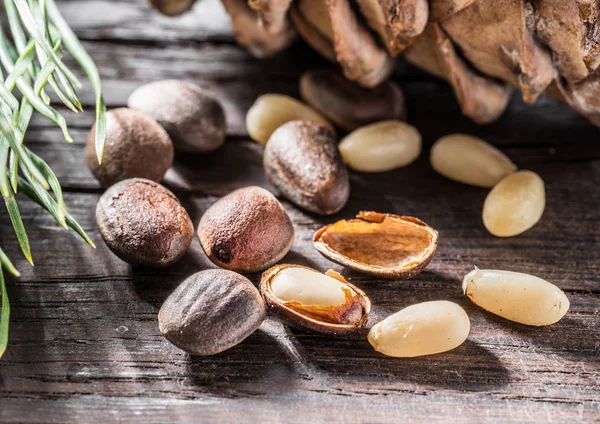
[(31, 59), (4, 315)]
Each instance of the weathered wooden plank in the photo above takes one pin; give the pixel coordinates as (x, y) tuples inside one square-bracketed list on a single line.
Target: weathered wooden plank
[(134, 20), (84, 339)]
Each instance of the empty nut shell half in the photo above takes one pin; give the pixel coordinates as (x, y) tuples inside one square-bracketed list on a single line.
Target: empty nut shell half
[(385, 245), (309, 299)]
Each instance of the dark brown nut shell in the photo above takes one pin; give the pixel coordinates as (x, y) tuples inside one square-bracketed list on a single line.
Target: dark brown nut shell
[(385, 245), (172, 7), (194, 120), (143, 223), (211, 311), (136, 147), (348, 104), (302, 160), (350, 318), (246, 231)]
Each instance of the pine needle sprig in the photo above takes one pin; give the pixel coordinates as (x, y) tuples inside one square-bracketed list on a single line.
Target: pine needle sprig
[(31, 61)]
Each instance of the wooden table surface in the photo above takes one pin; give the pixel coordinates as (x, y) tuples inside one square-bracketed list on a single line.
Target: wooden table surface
[(84, 340)]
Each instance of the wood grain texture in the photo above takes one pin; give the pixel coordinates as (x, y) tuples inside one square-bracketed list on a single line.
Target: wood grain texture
[(85, 345)]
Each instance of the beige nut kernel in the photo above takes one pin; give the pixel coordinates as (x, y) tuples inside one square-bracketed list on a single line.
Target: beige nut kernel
[(421, 329), (470, 160), (270, 111), (326, 303), (381, 147), (515, 296), (515, 204), (385, 245)]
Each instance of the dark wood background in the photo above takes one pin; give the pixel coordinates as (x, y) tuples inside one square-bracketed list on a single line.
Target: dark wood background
[(84, 339)]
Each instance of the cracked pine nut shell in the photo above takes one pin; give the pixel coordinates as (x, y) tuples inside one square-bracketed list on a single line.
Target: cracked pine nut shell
[(348, 104), (381, 147), (515, 204), (515, 296), (470, 160), (211, 311), (304, 297), (421, 329), (143, 223), (271, 111), (385, 245), (302, 160), (246, 231)]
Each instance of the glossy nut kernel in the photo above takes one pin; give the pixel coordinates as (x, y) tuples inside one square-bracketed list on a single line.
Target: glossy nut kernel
[(421, 329), (381, 147), (515, 204), (246, 231), (470, 160), (389, 246), (325, 303), (348, 104), (515, 296), (302, 160), (271, 111), (211, 311)]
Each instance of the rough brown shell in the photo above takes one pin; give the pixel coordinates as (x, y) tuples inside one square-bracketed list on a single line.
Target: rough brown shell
[(143, 223), (385, 245), (351, 318), (302, 160), (246, 231), (136, 147), (211, 311), (348, 104), (172, 7), (194, 120)]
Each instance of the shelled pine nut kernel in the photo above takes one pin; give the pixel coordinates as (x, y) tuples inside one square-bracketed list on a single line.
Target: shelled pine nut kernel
[(381, 147), (421, 329), (271, 111), (470, 160), (515, 296), (515, 204)]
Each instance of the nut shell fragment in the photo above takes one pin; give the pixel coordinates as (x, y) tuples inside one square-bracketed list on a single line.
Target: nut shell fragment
[(385, 245), (304, 297)]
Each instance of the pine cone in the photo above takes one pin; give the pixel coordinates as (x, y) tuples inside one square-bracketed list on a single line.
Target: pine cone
[(483, 48)]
